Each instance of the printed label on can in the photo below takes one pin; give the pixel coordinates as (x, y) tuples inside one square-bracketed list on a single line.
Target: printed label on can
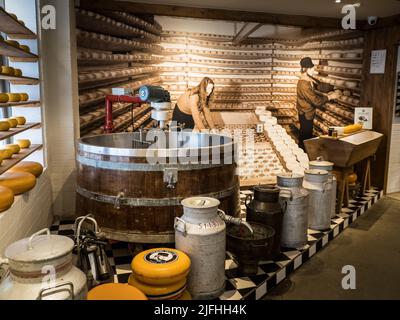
[(161, 257)]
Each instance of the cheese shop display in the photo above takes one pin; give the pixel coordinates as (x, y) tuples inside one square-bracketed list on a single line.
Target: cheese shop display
[(6, 198), (34, 168), (19, 182)]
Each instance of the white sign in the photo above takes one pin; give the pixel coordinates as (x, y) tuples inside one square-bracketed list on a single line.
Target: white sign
[(378, 61), (365, 116), (260, 128)]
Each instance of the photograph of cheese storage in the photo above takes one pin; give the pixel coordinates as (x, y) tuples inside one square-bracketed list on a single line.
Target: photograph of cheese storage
[(202, 150)]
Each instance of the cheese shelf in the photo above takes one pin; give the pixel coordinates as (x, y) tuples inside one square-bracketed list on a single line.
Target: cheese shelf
[(350, 76), (13, 28), (17, 130), (19, 80), (16, 158), (16, 54), (24, 104)]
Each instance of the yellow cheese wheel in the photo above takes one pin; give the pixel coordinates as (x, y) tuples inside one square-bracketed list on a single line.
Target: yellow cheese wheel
[(6, 153), (4, 126), (353, 128), (24, 96), (160, 266), (7, 70), (159, 292), (13, 122), (18, 182), (18, 72), (13, 147), (115, 291), (14, 16), (21, 120), (25, 48), (23, 143), (185, 296), (21, 22), (3, 98), (6, 198), (12, 43), (31, 167), (14, 97), (352, 178)]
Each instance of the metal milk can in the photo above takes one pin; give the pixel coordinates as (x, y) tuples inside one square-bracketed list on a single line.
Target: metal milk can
[(265, 208), (201, 234), (319, 212), (294, 200), (319, 164), (40, 268)]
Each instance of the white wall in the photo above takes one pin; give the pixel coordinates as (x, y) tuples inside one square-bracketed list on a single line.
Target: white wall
[(60, 88)]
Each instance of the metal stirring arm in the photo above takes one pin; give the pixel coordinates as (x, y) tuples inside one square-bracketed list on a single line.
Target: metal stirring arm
[(233, 220)]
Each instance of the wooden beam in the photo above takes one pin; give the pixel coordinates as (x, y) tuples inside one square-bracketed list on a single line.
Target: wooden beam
[(245, 32), (215, 14)]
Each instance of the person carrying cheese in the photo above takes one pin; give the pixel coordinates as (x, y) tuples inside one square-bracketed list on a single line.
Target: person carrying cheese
[(308, 99)]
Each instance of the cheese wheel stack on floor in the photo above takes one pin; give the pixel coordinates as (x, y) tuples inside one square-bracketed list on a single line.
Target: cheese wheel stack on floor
[(161, 273)]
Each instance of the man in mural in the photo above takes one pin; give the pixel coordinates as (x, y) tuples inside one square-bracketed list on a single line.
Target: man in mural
[(309, 98)]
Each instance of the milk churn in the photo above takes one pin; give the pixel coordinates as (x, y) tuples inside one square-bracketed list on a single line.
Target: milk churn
[(265, 208), (294, 200), (201, 234), (319, 211), (319, 164)]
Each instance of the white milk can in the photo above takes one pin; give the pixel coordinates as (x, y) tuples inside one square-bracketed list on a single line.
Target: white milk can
[(319, 212), (294, 201), (201, 234)]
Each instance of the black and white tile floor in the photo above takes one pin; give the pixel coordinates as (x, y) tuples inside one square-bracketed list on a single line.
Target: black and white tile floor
[(270, 273)]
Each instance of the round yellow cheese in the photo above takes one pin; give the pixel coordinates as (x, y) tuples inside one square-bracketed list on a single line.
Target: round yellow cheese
[(7, 70), (115, 291), (21, 22), (13, 147), (6, 153), (4, 126), (28, 166), (3, 98), (18, 72), (159, 292), (13, 122), (24, 96), (12, 43), (25, 48), (161, 266), (23, 143), (14, 97), (6, 198), (14, 16), (21, 120), (18, 182)]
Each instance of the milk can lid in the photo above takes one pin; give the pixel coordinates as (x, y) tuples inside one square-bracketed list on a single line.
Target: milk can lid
[(200, 202), (321, 164)]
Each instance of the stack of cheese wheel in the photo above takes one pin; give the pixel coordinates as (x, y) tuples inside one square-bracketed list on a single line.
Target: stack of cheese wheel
[(115, 291), (161, 273)]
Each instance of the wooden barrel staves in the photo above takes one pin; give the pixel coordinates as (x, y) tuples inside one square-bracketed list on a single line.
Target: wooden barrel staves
[(133, 183)]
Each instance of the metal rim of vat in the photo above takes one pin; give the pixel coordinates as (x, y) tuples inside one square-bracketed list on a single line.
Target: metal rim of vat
[(83, 145), (139, 237), (148, 202)]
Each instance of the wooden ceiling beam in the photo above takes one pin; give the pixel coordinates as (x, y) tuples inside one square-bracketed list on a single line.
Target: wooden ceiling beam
[(215, 14), (248, 29)]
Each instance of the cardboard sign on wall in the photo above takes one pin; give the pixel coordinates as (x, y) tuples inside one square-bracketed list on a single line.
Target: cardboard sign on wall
[(365, 116)]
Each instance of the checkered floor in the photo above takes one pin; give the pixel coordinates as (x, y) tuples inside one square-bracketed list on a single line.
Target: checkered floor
[(270, 273)]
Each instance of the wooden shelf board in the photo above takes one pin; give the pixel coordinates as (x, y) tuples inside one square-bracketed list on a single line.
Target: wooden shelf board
[(25, 104), (19, 80), (16, 54), (16, 158), (17, 130), (350, 76), (13, 28)]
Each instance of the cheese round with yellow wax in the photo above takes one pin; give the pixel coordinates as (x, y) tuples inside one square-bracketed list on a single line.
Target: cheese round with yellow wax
[(14, 97), (162, 266), (18, 182), (18, 72), (24, 96), (21, 120), (115, 291), (6, 153), (13, 147), (13, 122), (7, 70), (3, 98), (12, 43), (6, 198), (25, 48), (4, 125), (23, 143), (14, 16), (159, 292), (31, 167)]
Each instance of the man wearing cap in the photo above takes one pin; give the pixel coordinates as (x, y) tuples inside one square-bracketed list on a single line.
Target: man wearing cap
[(308, 99)]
